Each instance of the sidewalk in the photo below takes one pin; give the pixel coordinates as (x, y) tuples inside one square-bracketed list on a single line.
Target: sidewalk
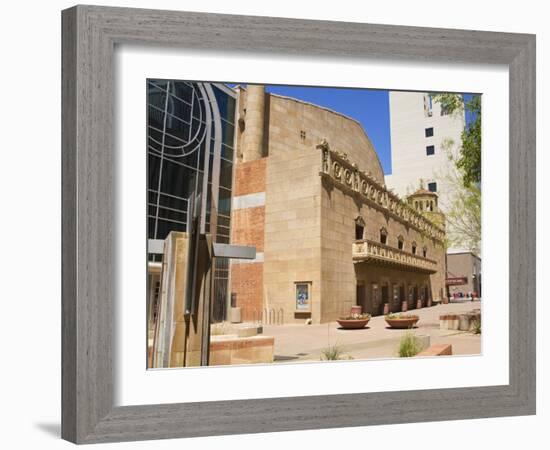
[(299, 342)]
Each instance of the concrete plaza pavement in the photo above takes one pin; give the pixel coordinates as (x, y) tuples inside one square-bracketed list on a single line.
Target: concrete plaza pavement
[(297, 342)]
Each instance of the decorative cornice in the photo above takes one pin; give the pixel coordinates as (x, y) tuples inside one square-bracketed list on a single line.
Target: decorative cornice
[(336, 168)]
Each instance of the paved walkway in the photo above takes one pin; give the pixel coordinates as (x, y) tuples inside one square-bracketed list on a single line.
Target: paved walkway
[(306, 342)]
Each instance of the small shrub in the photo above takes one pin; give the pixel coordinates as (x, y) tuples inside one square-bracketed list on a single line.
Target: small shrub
[(476, 327), (408, 346), (332, 353)]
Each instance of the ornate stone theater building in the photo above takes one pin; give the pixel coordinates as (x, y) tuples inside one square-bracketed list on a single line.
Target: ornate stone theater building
[(309, 194)]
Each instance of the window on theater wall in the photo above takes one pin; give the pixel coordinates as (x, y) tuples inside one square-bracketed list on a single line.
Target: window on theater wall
[(429, 132), (413, 248), (383, 236), (400, 243), (432, 187), (359, 230)]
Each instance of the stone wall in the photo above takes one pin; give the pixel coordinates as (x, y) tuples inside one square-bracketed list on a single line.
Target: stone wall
[(292, 220), (289, 117), (464, 265), (310, 222), (339, 273)]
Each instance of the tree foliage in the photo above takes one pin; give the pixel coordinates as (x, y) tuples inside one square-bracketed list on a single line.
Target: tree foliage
[(469, 160), (463, 210)]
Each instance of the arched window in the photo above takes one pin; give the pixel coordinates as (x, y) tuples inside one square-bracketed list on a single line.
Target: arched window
[(383, 236), (424, 251), (400, 242), (413, 248), (359, 228)]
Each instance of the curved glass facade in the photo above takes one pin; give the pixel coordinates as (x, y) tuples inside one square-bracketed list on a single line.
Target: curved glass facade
[(190, 131)]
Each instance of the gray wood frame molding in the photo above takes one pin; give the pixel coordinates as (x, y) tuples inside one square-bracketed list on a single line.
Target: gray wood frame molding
[(88, 199)]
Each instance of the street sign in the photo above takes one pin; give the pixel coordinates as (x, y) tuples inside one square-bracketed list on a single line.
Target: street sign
[(234, 251), (456, 281)]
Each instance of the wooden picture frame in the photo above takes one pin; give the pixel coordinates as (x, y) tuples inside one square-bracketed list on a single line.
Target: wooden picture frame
[(89, 37)]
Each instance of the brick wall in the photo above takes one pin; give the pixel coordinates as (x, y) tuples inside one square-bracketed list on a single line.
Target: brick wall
[(249, 177), (247, 283), (247, 228)]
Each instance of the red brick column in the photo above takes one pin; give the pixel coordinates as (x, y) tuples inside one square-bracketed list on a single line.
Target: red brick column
[(247, 228)]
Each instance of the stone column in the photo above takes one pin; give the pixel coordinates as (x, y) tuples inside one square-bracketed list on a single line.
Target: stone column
[(180, 337), (254, 123)]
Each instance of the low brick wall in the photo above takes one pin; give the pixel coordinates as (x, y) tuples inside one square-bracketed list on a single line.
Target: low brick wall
[(437, 350), (230, 349)]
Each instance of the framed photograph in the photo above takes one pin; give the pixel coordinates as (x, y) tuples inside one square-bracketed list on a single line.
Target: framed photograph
[(303, 297), (246, 202)]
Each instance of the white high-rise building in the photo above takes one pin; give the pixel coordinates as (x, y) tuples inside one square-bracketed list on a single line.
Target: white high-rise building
[(420, 135)]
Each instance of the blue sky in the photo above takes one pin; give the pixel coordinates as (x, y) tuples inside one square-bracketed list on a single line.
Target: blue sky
[(369, 106)]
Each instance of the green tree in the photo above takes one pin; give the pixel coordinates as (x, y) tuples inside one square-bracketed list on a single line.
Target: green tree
[(469, 160), (463, 207)]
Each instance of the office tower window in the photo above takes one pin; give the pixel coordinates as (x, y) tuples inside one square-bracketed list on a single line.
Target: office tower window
[(430, 150), (429, 132), (432, 187), (428, 111)]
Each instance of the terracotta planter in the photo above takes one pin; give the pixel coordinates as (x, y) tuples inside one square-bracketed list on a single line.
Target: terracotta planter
[(404, 306), (418, 304), (357, 309), (386, 308), (352, 324), (404, 323)]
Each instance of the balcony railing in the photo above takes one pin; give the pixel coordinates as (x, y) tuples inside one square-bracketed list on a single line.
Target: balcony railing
[(377, 253)]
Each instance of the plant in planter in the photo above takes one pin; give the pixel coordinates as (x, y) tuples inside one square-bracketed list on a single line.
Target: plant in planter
[(354, 321), (401, 320)]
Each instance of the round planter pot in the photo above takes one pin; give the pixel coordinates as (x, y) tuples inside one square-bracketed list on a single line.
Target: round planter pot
[(353, 324), (404, 306), (402, 323), (386, 308), (357, 309)]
